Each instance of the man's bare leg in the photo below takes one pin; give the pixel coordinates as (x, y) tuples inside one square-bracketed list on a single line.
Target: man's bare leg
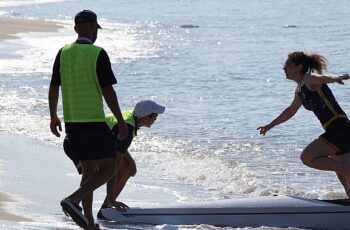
[(87, 171), (106, 168)]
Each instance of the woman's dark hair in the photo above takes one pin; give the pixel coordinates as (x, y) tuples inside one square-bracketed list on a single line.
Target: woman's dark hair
[(310, 62)]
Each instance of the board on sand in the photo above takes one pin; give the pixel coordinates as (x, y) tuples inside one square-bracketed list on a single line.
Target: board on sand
[(274, 211)]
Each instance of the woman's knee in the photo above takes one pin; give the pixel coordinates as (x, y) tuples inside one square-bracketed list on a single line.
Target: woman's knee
[(314, 150), (306, 158)]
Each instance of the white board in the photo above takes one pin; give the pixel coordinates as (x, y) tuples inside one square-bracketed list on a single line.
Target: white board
[(276, 211)]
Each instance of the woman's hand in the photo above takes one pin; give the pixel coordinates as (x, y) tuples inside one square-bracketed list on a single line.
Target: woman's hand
[(342, 77), (264, 129)]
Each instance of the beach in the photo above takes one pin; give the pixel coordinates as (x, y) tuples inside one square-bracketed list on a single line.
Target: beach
[(35, 177), (10, 28)]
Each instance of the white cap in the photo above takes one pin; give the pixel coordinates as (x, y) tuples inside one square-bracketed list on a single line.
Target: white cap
[(146, 107)]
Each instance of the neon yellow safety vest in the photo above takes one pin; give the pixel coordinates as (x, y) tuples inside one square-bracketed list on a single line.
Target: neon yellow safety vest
[(81, 91), (128, 117)]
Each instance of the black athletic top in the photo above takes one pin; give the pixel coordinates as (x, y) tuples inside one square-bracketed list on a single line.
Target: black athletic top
[(322, 102)]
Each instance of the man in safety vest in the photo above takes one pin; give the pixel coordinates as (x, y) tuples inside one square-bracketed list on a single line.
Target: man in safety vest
[(84, 73)]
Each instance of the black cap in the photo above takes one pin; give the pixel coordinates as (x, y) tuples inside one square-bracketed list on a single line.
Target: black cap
[(86, 16)]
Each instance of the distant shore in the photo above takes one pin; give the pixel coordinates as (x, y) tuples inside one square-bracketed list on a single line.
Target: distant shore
[(10, 27), (4, 214)]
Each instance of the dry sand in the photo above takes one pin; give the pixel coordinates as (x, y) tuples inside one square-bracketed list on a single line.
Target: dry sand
[(9, 27)]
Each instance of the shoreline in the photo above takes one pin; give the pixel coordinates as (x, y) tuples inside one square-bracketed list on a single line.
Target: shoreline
[(5, 214), (11, 27), (31, 191)]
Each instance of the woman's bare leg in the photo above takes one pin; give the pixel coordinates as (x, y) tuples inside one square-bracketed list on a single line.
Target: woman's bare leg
[(319, 155)]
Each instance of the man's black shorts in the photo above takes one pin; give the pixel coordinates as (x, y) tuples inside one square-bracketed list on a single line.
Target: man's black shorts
[(91, 146), (69, 154)]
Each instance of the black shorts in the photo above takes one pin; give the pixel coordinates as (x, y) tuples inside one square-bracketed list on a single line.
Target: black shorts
[(90, 146), (337, 135), (69, 154)]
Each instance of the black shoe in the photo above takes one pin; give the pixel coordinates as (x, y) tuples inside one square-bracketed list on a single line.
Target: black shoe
[(75, 212), (77, 206)]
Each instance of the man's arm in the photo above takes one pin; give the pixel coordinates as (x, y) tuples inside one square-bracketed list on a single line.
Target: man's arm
[(106, 79), (53, 101)]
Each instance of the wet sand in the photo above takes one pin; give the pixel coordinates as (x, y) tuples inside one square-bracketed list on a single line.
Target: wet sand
[(4, 214)]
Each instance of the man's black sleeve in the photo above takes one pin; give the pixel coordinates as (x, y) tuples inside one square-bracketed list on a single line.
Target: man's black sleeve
[(56, 78), (104, 70)]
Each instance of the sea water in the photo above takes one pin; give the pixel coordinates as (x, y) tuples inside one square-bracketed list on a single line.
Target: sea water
[(217, 68)]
